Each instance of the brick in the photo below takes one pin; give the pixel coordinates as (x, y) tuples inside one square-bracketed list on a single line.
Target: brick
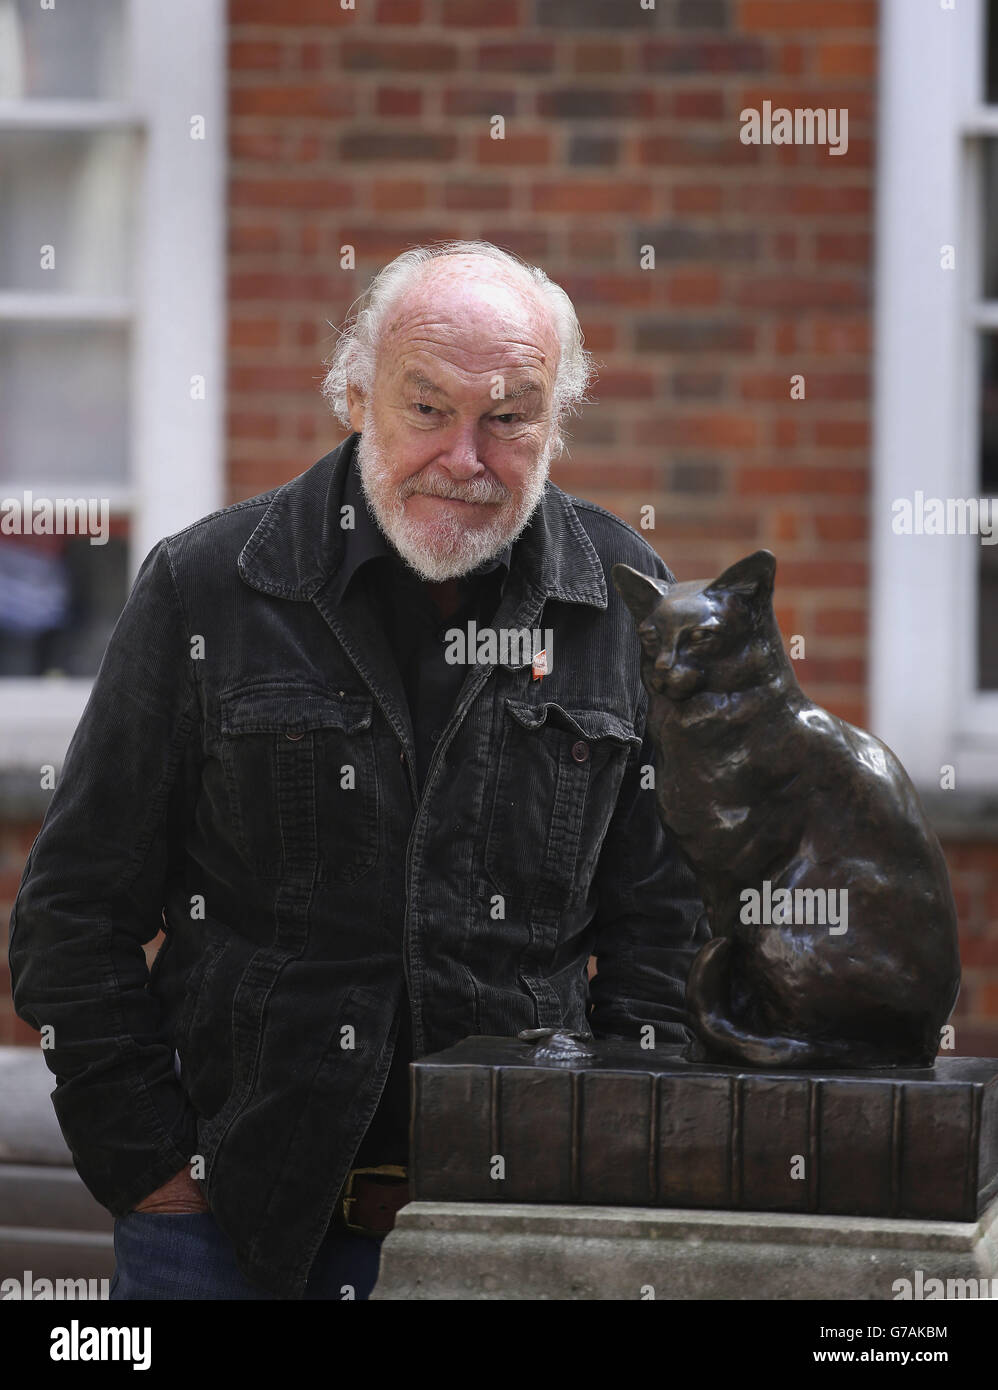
[(517, 149), (469, 195), (253, 240), (700, 148), (311, 57), (524, 56), (598, 57), (273, 379), (530, 243), (289, 13), (377, 243), (700, 476), (592, 14), (697, 386), (699, 431), (613, 287), (683, 242), (582, 197), (683, 56), (801, 16), (245, 424), (363, 145), (585, 150), (692, 105), (843, 246), (837, 336), (474, 101), (784, 526), (694, 335), (290, 193), (857, 100), (398, 101), (399, 12), (697, 197), (839, 527), (251, 476), (791, 59), (601, 336), (593, 103), (398, 195), (793, 291), (255, 55), (379, 55), (847, 60), (776, 481), (784, 434), (841, 622), (672, 526), (585, 242), (703, 14), (253, 333), (266, 146), (579, 477), (831, 670), (694, 287), (825, 574), (842, 434), (473, 14), (624, 384)]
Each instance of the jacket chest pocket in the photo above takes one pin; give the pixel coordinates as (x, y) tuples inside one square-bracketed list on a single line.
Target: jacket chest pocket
[(559, 777), (301, 774)]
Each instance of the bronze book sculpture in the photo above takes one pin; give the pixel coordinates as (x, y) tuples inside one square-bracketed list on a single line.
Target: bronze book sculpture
[(834, 933)]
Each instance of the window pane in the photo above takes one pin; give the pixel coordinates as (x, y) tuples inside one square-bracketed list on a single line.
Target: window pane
[(68, 192), (64, 413), (60, 597), (71, 51)]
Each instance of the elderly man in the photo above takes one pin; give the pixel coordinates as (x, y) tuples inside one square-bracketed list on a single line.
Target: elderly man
[(360, 849)]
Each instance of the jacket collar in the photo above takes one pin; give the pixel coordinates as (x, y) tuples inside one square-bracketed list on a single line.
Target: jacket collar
[(298, 545)]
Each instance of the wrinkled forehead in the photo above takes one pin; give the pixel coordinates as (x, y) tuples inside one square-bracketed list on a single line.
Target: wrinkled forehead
[(474, 323)]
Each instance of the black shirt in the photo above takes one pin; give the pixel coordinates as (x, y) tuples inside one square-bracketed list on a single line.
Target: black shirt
[(415, 625)]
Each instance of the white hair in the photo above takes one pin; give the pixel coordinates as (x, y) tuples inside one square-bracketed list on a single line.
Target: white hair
[(353, 358)]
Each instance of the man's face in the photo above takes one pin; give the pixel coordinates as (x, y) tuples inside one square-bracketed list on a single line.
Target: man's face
[(457, 431)]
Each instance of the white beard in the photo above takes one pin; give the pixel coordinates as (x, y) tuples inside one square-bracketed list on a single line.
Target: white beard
[(448, 548)]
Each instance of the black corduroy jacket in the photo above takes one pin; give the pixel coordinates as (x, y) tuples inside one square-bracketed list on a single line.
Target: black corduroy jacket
[(243, 777)]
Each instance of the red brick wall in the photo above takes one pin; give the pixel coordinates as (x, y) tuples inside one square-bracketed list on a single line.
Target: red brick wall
[(371, 128)]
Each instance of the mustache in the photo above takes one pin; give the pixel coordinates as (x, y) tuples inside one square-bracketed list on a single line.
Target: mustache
[(474, 490)]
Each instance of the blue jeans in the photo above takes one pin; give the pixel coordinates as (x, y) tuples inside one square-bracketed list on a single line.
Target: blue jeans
[(186, 1256)]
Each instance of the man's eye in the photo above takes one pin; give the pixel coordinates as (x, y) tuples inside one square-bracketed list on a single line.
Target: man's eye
[(423, 408), (506, 419)]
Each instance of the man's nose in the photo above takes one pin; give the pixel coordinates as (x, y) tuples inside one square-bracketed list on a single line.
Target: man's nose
[(460, 458)]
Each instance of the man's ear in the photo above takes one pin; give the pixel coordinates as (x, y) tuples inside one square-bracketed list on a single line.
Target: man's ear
[(357, 406), (639, 591)]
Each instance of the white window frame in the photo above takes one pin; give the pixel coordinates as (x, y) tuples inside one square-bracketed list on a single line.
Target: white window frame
[(924, 589), (176, 55)]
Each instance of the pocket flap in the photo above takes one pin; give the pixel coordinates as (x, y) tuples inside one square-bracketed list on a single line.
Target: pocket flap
[(589, 724), (292, 709)]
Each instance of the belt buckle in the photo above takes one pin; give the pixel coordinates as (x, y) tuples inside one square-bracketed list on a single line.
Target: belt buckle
[(387, 1170)]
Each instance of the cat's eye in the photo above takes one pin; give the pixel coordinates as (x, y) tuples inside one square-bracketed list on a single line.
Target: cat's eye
[(701, 634)]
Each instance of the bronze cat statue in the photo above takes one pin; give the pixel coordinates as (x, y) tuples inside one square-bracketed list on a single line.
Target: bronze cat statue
[(834, 932)]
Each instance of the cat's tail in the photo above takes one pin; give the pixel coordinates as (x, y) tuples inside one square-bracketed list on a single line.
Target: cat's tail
[(708, 996)]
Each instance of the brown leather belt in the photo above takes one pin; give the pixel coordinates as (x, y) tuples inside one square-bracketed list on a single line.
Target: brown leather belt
[(370, 1199)]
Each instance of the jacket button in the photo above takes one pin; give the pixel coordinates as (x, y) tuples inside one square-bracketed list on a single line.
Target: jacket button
[(580, 751), (293, 737)]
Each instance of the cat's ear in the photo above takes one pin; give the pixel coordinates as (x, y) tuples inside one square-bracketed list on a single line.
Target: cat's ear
[(751, 577), (640, 592)]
